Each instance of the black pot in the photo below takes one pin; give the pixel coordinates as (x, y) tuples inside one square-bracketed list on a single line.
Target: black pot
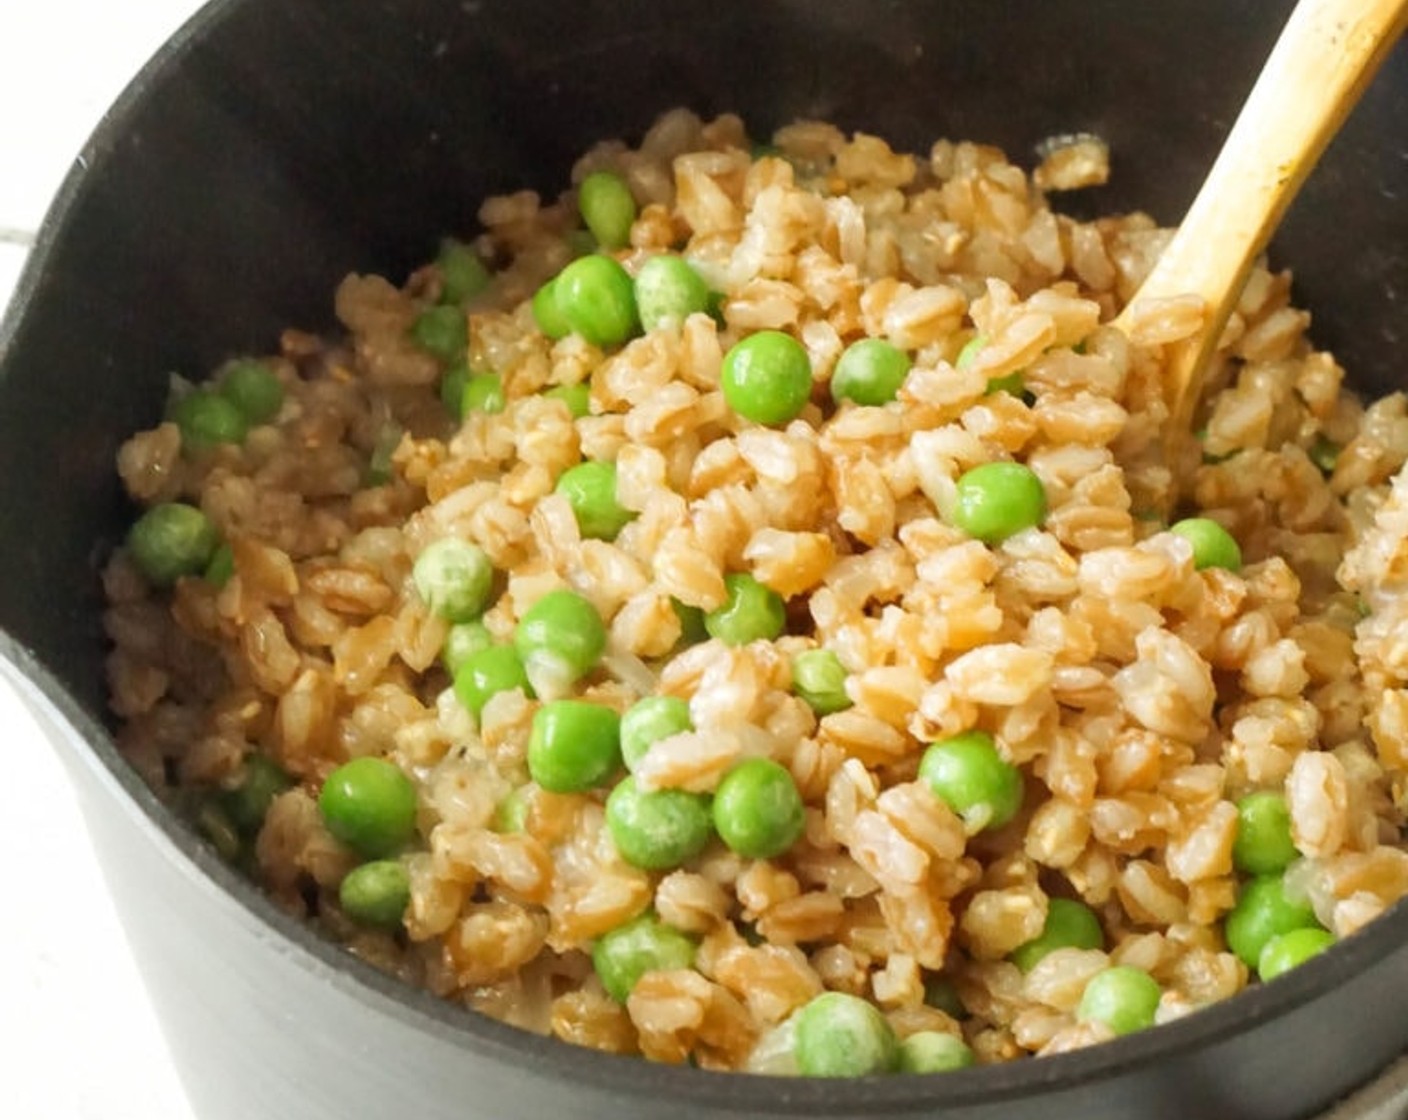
[(274, 146)]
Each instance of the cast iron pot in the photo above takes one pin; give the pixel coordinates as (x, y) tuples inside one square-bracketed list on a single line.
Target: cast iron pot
[(273, 146)]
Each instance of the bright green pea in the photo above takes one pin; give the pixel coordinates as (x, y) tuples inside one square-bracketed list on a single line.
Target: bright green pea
[(608, 208), (206, 419), (254, 389), (692, 628), (462, 641), (452, 389), (628, 952), (941, 992), (376, 893), (1013, 384), (758, 810), (511, 814), (483, 392), (560, 638), (819, 678), (443, 331), (1287, 950), (462, 274), (1213, 546), (1263, 911), (590, 489), (454, 579), (547, 314), (869, 372), (752, 612), (262, 779), (995, 500), (659, 830), (969, 353), (597, 298), (221, 566), (1069, 925), (370, 805), (577, 398), (172, 540), (668, 291), (487, 673), (1325, 454), (573, 745), (934, 1052), (1125, 999), (767, 377), (649, 720), (1263, 845), (971, 778), (840, 1035)]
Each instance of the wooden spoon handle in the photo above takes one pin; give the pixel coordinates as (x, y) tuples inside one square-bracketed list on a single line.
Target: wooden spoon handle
[(1324, 60)]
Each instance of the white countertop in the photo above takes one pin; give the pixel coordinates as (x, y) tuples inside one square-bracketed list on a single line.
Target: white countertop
[(81, 1042)]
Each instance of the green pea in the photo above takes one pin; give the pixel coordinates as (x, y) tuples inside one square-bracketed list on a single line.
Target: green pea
[(483, 392), (487, 673), (376, 893), (454, 579), (767, 378), (995, 500), (1325, 454), (573, 745), (215, 825), (934, 1052), (752, 612), (443, 331), (870, 372), (1013, 384), (1213, 546), (969, 353), (1125, 999), (172, 540), (758, 810), (560, 638), (590, 489), (221, 566), (649, 720), (254, 389), (597, 299), (511, 814), (668, 291), (1069, 925), (206, 419), (262, 779), (1287, 950), (462, 641), (577, 398), (369, 805), (452, 389), (941, 992), (971, 778), (628, 952), (547, 314), (462, 274), (1263, 911), (840, 1035), (608, 208), (1263, 845), (692, 628), (819, 678), (659, 830)]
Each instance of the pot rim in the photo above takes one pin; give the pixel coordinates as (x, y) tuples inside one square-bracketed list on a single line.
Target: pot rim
[(528, 1053)]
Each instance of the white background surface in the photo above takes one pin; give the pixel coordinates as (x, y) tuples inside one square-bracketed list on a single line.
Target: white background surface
[(79, 1039)]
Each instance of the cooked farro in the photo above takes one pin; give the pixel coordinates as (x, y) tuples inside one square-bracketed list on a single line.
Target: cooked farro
[(1140, 695)]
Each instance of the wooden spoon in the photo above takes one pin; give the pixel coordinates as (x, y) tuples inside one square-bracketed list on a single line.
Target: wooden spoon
[(1325, 58)]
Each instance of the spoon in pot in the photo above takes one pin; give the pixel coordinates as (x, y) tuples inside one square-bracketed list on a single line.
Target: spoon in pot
[(1325, 58)]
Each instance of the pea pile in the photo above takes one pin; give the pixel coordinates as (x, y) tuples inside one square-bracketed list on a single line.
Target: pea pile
[(729, 614)]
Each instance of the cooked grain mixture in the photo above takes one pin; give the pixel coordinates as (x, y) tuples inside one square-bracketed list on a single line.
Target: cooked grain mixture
[(751, 629)]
